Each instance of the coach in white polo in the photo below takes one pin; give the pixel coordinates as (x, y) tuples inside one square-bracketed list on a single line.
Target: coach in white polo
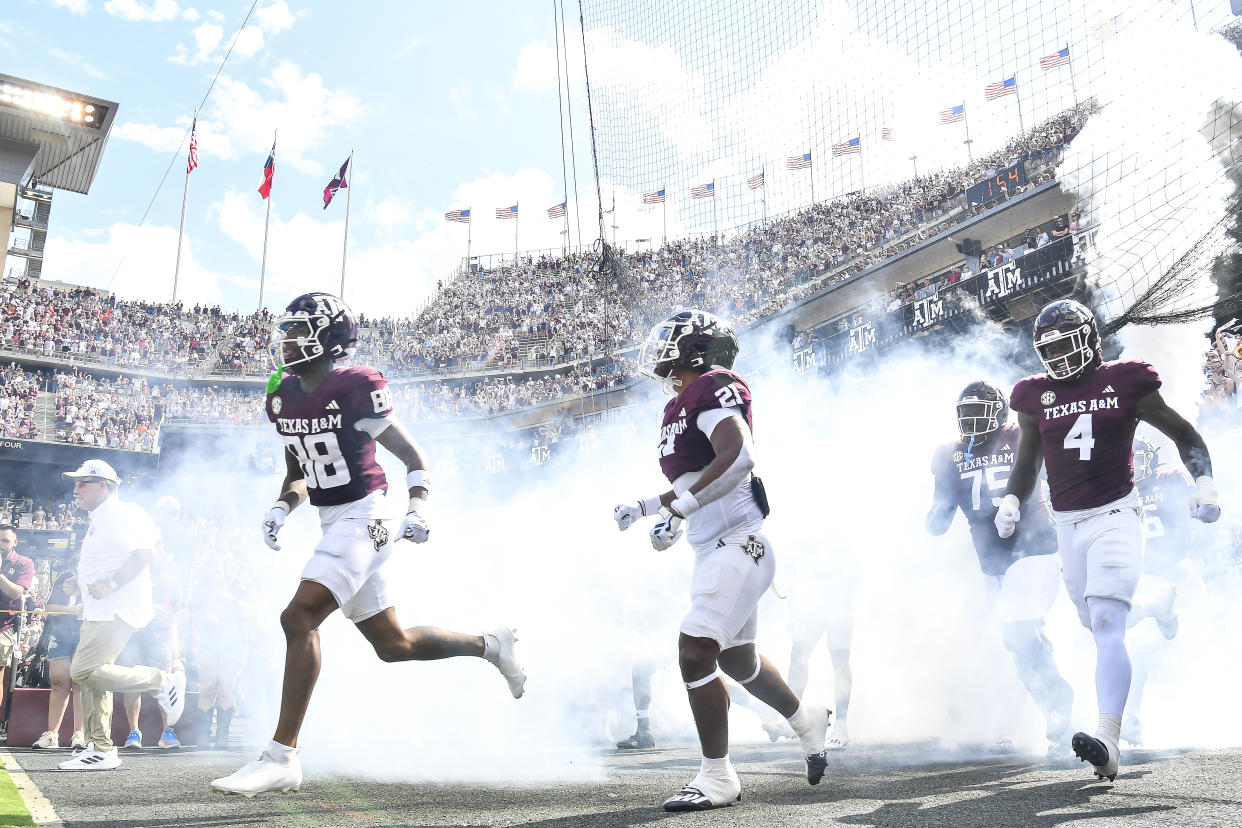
[(115, 577)]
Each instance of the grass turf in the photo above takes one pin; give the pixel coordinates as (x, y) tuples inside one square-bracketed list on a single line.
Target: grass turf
[(13, 810)]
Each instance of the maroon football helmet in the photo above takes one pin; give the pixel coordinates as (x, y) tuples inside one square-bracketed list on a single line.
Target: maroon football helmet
[(314, 326), (687, 339), (981, 411), (1067, 340)]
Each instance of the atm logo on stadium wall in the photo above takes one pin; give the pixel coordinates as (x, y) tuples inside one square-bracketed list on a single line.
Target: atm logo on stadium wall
[(862, 338), (926, 312)]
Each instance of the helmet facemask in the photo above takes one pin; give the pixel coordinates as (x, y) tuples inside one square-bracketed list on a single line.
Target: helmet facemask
[(1145, 460), (1066, 354), (978, 418), (298, 333)]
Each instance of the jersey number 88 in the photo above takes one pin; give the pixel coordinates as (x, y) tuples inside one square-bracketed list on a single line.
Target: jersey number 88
[(321, 460)]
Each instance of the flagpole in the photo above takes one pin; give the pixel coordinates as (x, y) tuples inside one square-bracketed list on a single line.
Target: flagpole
[(966, 120), (266, 224), (764, 174), (1017, 93), (1073, 86), (812, 178), (862, 168), (349, 192), (185, 194), (517, 217), (469, 230), (664, 205), (715, 230)]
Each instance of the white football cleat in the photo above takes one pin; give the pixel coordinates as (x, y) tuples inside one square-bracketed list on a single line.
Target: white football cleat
[(91, 759), (506, 662), (1103, 756), (270, 772), (815, 730), (838, 738), (707, 791), (172, 698)]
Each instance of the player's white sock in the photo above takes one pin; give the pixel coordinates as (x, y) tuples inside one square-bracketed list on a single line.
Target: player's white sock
[(279, 751), (644, 719), (491, 647), (1109, 729), (800, 720)]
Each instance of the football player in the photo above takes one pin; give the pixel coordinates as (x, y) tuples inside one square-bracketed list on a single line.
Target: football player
[(1079, 418), (1022, 569), (1169, 535), (705, 452), (330, 420)]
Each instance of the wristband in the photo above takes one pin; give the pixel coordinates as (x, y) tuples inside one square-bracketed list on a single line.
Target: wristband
[(649, 506), (684, 505), (415, 503), (418, 479)]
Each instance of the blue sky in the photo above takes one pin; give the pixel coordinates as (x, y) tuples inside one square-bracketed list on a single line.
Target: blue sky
[(456, 106), (439, 104)]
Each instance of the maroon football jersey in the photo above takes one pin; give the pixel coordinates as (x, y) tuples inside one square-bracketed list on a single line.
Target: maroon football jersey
[(683, 447), (1087, 430), (1167, 525), (319, 428), (975, 485)]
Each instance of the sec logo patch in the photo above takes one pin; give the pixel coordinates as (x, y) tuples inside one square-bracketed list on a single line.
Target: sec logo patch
[(276, 405), (1048, 398)]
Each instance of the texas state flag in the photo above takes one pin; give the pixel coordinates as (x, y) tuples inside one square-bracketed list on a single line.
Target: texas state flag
[(269, 172)]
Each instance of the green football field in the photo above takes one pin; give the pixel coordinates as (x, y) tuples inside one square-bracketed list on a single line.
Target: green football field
[(13, 811)]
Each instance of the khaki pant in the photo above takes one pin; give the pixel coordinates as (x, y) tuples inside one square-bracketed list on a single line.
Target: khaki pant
[(94, 668)]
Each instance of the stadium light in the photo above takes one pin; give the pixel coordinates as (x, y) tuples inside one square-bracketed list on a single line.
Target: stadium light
[(72, 110)]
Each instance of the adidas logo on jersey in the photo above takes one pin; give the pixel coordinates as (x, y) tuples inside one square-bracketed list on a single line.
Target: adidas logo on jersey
[(332, 406), (1108, 389), (683, 413), (1006, 447)]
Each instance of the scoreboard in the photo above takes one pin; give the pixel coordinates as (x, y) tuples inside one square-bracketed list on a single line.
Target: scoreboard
[(990, 189)]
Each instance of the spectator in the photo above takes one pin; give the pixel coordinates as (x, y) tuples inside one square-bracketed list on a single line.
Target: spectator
[(16, 574), (60, 634)]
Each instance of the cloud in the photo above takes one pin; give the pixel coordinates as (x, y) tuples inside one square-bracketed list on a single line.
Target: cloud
[(206, 38), (147, 255), (191, 14), (74, 6), (155, 11), (275, 17), (536, 70), (78, 61), (410, 45), (240, 119), (209, 43), (389, 214)]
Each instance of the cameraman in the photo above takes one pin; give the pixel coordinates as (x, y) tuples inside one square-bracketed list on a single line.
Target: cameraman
[(16, 574)]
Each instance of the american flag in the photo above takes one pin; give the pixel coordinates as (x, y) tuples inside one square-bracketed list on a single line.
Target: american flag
[(846, 147), (886, 134), (193, 162), (556, 210), (1009, 86), (1061, 58), (798, 162), (755, 181), (507, 212), (654, 198), (953, 114), (462, 216), (704, 191)]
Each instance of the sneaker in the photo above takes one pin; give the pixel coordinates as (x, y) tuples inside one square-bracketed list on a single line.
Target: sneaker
[(1103, 757), (707, 792), (134, 740), (269, 772), (91, 759), (168, 739), (641, 740), (78, 742), (505, 661), (48, 741), (172, 697)]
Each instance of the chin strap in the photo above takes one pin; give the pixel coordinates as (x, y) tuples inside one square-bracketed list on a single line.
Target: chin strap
[(970, 450)]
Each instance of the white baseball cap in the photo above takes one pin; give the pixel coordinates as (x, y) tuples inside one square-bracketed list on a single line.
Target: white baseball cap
[(95, 468)]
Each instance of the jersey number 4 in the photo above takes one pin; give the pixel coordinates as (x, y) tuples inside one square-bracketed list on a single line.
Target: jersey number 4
[(321, 460), (1080, 438)]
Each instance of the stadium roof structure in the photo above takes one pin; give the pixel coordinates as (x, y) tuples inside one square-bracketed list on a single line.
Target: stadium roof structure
[(62, 133)]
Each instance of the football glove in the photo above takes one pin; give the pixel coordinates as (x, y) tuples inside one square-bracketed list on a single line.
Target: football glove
[(625, 516), (414, 528), (1205, 502), (272, 522), (1007, 516), (666, 532)]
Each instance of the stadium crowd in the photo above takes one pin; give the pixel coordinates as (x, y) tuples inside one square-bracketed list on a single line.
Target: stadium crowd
[(1222, 369)]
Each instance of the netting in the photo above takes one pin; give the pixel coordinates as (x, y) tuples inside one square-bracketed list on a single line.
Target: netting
[(779, 106)]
